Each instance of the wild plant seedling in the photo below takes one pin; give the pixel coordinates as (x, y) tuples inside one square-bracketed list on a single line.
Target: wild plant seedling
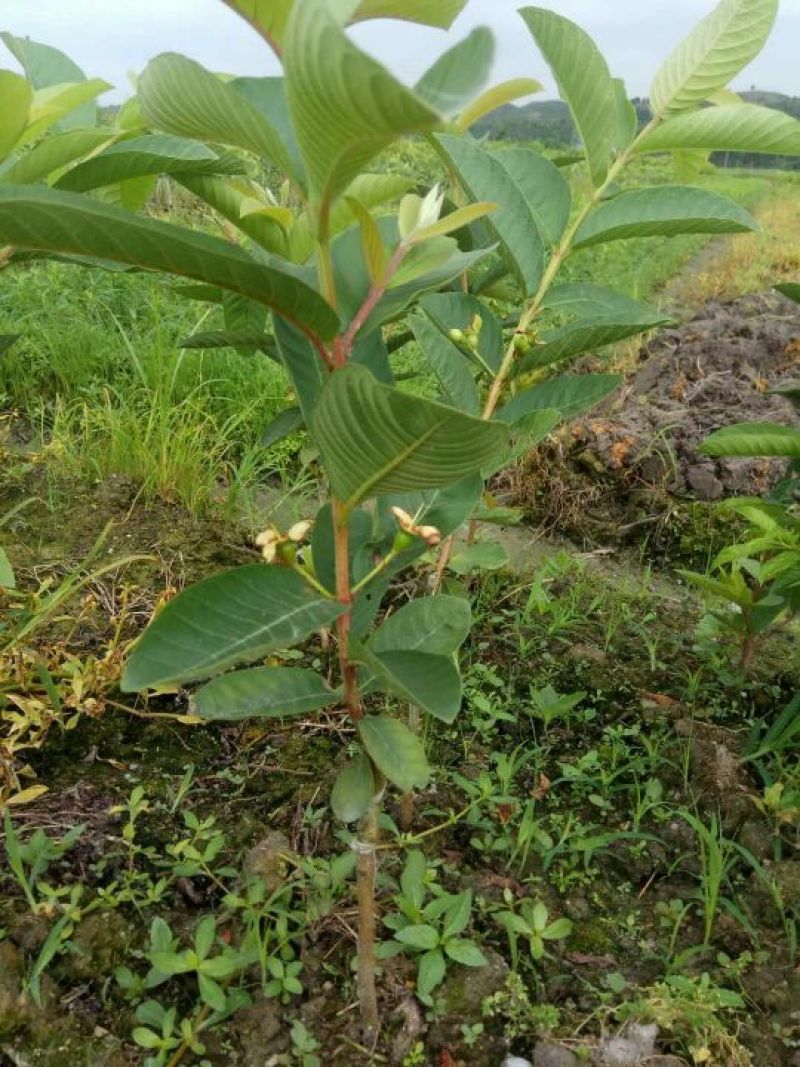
[(333, 262)]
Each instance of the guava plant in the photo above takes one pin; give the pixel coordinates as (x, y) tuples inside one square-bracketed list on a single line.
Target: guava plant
[(326, 259)]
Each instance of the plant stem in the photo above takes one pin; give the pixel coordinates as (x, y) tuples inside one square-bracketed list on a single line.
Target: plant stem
[(556, 261), (407, 801), (366, 866), (341, 533)]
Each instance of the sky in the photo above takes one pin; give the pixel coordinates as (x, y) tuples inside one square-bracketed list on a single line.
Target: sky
[(109, 38)]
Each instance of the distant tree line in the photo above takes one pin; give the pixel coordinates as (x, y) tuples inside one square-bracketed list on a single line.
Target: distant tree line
[(549, 122)]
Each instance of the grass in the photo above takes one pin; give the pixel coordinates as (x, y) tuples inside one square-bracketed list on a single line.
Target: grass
[(99, 372)]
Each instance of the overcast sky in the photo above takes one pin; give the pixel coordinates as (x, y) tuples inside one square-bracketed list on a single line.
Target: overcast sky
[(109, 38)]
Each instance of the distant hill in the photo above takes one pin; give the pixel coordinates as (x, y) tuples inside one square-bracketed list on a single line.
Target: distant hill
[(550, 123)]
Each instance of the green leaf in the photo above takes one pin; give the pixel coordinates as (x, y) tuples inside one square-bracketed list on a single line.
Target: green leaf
[(182, 97), (730, 128), (459, 74), (205, 936), (790, 289), (465, 952), (584, 83), (145, 1038), (242, 340), (412, 880), (570, 394), (396, 751), (436, 624), (486, 556), (430, 682), (45, 66), (170, 963), (229, 196), (7, 579), (713, 54), (153, 154), (485, 178), (458, 388), (263, 693), (584, 335), (420, 937), (457, 915), (268, 95), (16, 94), (499, 95), (753, 439), (438, 13), (289, 421), (272, 16), (346, 107), (374, 439), (430, 973), (556, 930), (451, 311), (303, 364), (47, 220), (53, 153), (627, 118), (666, 211), (211, 992), (225, 620), (546, 191), (353, 790)]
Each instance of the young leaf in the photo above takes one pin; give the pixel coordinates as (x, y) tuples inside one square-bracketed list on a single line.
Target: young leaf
[(570, 394), (458, 915), (456, 220), (353, 790), (181, 97), (7, 579), (496, 97), (434, 624), (396, 751), (375, 440), (584, 83), (263, 692), (459, 74), (346, 107), (225, 620), (211, 992), (713, 54), (485, 178), (465, 952), (667, 210), (47, 220), (420, 937), (730, 128), (16, 94), (431, 971), (753, 439)]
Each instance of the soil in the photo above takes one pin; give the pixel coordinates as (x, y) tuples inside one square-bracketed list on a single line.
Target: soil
[(712, 371)]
